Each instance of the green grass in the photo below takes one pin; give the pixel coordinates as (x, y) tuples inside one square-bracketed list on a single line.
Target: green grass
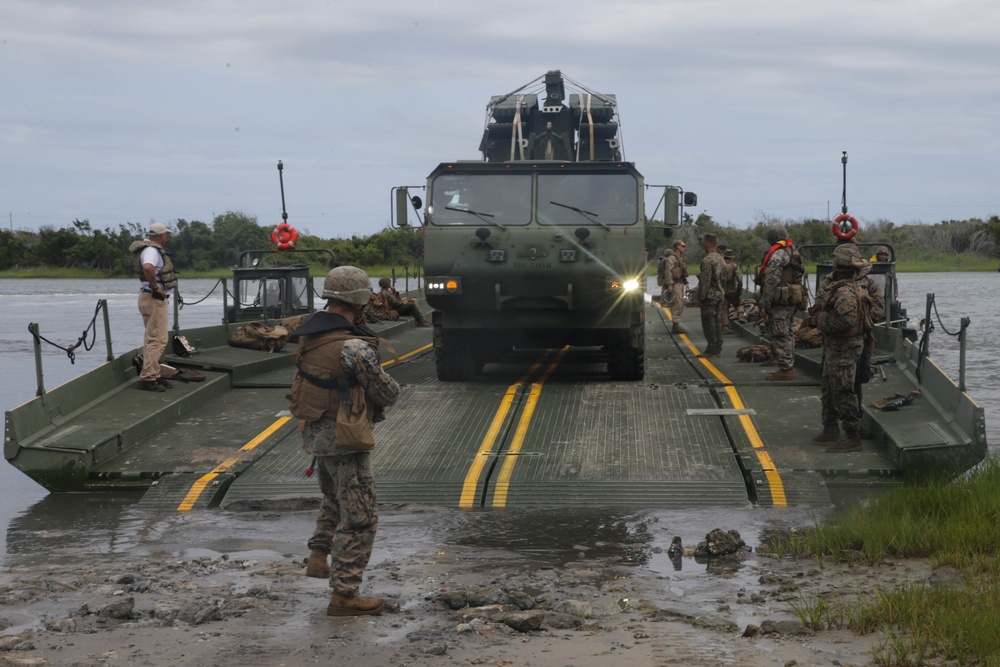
[(953, 524)]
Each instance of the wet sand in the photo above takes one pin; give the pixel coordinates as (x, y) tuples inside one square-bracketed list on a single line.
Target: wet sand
[(513, 588)]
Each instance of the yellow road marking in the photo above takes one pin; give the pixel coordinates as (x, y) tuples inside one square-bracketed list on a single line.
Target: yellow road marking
[(199, 486), (479, 461), (502, 485), (408, 354), (774, 480)]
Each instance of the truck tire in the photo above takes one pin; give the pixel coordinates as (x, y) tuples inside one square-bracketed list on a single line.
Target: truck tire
[(454, 357), (625, 361)]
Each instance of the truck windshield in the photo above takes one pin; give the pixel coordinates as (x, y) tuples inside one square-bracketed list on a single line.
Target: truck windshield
[(607, 199), (504, 199)]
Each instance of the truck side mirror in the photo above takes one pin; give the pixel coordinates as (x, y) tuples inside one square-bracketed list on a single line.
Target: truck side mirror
[(403, 202)]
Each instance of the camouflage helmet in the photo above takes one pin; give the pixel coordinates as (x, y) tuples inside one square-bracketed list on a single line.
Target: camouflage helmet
[(384, 283), (348, 284), (847, 256), (729, 254), (882, 250), (776, 232)]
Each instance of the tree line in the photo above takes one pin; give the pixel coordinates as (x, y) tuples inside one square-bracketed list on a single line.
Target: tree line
[(203, 247), (971, 239), (193, 246)]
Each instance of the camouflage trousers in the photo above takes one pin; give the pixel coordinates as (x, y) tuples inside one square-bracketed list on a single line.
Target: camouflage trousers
[(673, 298), (839, 395), (711, 324), (348, 518), (779, 333)]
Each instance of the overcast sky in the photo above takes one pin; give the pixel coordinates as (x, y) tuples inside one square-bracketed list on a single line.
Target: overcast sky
[(120, 111)]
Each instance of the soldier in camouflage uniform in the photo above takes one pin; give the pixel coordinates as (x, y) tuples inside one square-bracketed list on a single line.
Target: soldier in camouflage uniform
[(339, 390), (734, 286), (866, 282), (672, 276), (711, 290), (843, 314), (782, 293), (404, 306), (877, 314)]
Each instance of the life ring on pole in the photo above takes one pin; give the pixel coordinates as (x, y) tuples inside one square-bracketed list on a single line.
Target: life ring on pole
[(839, 227), (284, 236)]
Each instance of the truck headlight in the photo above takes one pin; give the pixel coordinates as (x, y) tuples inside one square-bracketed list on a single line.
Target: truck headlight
[(623, 285)]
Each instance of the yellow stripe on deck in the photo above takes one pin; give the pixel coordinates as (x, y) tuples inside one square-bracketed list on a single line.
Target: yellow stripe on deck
[(502, 485), (482, 454), (199, 486), (408, 354), (774, 480)]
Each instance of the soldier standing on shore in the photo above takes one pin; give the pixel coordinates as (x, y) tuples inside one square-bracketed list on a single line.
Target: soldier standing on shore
[(340, 389)]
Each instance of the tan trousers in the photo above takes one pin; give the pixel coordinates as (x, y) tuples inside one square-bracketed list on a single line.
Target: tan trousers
[(675, 300), (154, 317)]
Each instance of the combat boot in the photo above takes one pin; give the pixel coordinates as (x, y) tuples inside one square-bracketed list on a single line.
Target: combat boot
[(317, 565), (783, 374), (831, 433), (343, 605), (852, 443), (678, 329)]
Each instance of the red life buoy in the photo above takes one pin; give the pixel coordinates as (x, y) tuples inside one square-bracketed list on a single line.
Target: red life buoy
[(284, 236), (839, 227)]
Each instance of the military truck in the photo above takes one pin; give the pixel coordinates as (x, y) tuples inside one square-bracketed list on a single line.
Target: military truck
[(542, 242)]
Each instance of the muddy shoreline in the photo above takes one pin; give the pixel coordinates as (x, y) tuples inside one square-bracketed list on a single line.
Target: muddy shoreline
[(467, 589)]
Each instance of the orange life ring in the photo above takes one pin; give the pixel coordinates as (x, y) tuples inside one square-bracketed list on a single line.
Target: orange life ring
[(284, 236), (838, 227)]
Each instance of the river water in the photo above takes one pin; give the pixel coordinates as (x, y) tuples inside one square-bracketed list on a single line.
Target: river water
[(64, 308)]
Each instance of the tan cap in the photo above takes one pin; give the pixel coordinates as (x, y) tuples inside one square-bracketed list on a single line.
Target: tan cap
[(158, 228)]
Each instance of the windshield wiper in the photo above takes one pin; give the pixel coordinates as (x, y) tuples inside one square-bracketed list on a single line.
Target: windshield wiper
[(587, 214), (485, 217)]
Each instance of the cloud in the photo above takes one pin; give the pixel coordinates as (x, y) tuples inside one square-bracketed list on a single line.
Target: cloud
[(128, 111)]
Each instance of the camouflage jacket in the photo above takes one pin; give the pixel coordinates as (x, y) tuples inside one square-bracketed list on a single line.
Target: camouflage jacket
[(845, 310), (391, 298), (672, 269), (734, 277), (867, 284), (711, 280), (360, 362), (380, 310), (776, 264)]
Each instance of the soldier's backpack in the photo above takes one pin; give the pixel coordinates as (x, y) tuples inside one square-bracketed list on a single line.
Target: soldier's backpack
[(754, 353), (260, 336)]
